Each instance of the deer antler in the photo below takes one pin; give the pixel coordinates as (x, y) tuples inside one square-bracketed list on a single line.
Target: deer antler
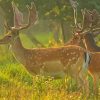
[(79, 27), (86, 20), (18, 16), (91, 21), (74, 5), (95, 18)]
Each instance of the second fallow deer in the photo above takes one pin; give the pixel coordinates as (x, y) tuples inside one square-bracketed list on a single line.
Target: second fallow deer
[(90, 21)]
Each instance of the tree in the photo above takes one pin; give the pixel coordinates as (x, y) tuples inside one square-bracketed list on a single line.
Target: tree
[(58, 11)]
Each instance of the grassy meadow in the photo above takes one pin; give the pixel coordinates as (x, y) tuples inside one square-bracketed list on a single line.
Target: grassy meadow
[(17, 84)]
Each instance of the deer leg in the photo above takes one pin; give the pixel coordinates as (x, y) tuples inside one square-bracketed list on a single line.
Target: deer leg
[(84, 81), (95, 83), (81, 79)]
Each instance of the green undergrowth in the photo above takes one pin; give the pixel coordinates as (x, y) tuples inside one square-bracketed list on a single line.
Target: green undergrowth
[(17, 84)]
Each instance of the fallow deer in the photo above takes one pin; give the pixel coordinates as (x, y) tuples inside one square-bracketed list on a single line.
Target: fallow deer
[(90, 21), (47, 61), (90, 45)]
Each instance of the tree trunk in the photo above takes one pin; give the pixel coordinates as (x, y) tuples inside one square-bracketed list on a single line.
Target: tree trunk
[(65, 33), (55, 28)]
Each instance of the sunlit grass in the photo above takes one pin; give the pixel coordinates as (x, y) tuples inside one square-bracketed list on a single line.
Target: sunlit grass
[(17, 83)]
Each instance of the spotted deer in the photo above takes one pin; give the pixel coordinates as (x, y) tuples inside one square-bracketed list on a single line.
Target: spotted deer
[(55, 61), (90, 44), (85, 32)]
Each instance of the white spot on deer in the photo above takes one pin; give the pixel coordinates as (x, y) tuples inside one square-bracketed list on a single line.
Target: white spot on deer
[(65, 51), (70, 59), (67, 65), (73, 53), (78, 60), (77, 56), (74, 58)]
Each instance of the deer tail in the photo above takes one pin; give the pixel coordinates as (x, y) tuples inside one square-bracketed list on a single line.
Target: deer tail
[(87, 59)]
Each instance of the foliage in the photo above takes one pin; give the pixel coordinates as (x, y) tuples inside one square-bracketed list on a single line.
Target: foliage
[(93, 4), (52, 9), (17, 83)]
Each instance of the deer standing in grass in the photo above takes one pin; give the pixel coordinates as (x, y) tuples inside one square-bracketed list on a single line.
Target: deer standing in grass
[(47, 61), (90, 44), (85, 31)]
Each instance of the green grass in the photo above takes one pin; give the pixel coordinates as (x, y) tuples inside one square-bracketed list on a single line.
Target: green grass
[(17, 84)]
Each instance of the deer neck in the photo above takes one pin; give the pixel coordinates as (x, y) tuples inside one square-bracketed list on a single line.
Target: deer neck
[(90, 43), (18, 50), (72, 42)]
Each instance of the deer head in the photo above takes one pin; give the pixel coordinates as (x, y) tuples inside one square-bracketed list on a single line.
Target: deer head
[(13, 32), (89, 24)]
